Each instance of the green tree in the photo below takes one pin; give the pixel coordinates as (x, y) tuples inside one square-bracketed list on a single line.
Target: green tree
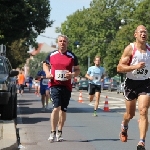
[(17, 53), (35, 64), (93, 28), (97, 30), (125, 35), (21, 22), (23, 19)]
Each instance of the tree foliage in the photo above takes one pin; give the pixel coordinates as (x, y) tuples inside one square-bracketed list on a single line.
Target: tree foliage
[(36, 64), (97, 30), (21, 22)]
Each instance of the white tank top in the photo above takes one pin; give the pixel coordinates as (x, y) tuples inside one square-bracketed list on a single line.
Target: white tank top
[(137, 56)]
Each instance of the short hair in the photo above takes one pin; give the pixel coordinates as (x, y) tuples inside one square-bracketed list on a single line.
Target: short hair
[(62, 36), (97, 56)]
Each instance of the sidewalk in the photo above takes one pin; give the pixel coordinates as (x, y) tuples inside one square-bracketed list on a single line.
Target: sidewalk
[(8, 139)]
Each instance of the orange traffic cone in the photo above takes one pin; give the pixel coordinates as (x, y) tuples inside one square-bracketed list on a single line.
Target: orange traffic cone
[(80, 98), (106, 107)]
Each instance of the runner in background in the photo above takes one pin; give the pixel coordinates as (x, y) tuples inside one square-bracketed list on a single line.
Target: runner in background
[(30, 83), (44, 89), (95, 75)]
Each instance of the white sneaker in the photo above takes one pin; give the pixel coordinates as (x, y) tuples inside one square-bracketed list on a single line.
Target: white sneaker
[(59, 137), (43, 109), (52, 137)]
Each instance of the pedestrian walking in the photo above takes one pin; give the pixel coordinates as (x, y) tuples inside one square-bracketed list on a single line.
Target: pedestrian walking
[(64, 67), (21, 83), (95, 75), (135, 62)]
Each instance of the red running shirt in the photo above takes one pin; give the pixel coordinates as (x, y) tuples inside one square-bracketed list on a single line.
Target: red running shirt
[(60, 63)]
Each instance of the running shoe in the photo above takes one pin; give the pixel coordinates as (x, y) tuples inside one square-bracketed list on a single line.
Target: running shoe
[(59, 136), (95, 114), (141, 146), (52, 137), (123, 134)]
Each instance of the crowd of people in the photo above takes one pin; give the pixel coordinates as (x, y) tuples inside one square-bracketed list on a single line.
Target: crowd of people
[(60, 67)]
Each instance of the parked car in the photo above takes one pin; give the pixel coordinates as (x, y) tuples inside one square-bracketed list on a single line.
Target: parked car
[(82, 85), (8, 90), (113, 86), (120, 88), (105, 83)]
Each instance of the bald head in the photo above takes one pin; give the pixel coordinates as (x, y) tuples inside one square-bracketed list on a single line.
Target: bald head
[(140, 27)]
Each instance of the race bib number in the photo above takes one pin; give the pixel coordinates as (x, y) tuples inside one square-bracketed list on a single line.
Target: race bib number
[(96, 77), (60, 75), (143, 73), (45, 81)]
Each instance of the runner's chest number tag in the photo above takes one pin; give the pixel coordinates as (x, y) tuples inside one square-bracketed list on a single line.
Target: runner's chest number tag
[(96, 77), (45, 81), (142, 73), (60, 75)]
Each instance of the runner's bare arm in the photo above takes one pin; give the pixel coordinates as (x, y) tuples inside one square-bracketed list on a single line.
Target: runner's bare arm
[(47, 72), (102, 78), (123, 65), (88, 77), (76, 71)]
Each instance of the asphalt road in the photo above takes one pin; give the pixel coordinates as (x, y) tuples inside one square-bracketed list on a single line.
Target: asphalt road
[(81, 130)]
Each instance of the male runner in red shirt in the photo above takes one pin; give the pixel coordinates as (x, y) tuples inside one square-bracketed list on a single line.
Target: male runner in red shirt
[(64, 67)]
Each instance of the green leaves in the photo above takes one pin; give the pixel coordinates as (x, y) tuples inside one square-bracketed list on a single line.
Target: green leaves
[(98, 31), (36, 64), (22, 20)]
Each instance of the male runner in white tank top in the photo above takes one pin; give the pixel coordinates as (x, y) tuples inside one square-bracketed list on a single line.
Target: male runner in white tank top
[(135, 61)]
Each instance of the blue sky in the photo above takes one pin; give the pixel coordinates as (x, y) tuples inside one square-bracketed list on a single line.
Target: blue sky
[(60, 10)]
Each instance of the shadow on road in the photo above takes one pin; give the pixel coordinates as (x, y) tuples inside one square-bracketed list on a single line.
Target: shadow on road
[(26, 120)]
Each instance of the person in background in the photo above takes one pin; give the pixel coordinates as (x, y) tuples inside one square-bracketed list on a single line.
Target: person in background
[(44, 89), (21, 83), (95, 75), (30, 83)]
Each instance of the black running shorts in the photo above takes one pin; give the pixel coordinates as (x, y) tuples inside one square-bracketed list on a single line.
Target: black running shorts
[(21, 87), (135, 88), (60, 96), (94, 88)]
